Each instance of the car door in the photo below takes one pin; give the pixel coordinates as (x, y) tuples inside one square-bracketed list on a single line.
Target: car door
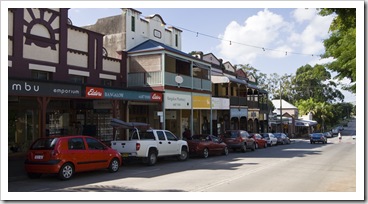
[(163, 145), (98, 154), (173, 144), (78, 153), (215, 144)]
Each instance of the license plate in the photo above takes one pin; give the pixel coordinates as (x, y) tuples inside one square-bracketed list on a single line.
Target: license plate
[(38, 157), (125, 155)]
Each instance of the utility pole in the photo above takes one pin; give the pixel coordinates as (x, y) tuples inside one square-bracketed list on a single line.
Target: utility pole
[(281, 109)]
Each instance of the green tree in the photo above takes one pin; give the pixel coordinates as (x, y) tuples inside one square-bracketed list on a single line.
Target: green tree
[(341, 45)]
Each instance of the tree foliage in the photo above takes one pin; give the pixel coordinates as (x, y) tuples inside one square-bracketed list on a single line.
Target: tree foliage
[(341, 45)]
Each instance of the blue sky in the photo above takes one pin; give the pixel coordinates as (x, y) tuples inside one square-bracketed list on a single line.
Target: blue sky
[(291, 37)]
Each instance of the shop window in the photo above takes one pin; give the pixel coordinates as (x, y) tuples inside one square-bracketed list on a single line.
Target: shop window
[(40, 75), (107, 82), (77, 79)]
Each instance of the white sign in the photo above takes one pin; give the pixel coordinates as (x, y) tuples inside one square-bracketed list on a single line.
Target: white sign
[(220, 103), (178, 100)]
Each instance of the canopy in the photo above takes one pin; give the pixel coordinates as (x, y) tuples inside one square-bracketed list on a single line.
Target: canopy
[(305, 123)]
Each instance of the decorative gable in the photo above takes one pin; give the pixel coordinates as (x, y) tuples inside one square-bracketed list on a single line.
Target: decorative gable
[(251, 78), (229, 67), (211, 59)]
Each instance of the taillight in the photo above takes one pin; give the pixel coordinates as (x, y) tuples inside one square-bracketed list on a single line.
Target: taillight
[(54, 153), (137, 146)]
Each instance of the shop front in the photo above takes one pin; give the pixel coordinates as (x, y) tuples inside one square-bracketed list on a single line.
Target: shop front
[(220, 111), (178, 112), (253, 121), (38, 109), (238, 118), (202, 113)]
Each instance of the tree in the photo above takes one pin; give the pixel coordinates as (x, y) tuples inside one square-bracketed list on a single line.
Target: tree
[(341, 45), (314, 82)]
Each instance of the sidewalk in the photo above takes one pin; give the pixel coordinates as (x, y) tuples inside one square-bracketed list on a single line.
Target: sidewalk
[(16, 166)]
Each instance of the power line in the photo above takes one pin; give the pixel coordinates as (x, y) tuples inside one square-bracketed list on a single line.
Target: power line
[(234, 42)]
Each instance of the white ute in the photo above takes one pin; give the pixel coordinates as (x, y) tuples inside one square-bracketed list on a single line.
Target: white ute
[(148, 144)]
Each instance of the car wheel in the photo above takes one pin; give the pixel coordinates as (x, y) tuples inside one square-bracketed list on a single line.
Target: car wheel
[(66, 171), (34, 175), (226, 151), (114, 165), (254, 146), (152, 158), (205, 153), (243, 147), (183, 155)]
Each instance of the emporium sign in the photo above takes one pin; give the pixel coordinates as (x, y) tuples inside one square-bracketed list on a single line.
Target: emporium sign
[(33, 88), (101, 93)]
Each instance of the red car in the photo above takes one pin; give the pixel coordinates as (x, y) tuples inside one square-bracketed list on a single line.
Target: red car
[(260, 141), (239, 139), (205, 145), (66, 155)]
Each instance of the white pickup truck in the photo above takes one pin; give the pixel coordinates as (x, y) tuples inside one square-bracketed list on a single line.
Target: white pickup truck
[(148, 144)]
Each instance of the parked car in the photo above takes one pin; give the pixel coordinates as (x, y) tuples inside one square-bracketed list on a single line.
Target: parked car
[(328, 134), (335, 131), (318, 137), (260, 141), (238, 139), (282, 138), (205, 145), (270, 138), (66, 155)]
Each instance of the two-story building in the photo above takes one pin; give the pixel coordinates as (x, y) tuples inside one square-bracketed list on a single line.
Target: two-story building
[(61, 79), (155, 62)]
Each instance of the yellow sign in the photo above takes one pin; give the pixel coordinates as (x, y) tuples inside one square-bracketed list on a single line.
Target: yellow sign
[(201, 102)]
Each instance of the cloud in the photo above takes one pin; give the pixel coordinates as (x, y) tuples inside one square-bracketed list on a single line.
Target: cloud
[(303, 33), (248, 39), (303, 14)]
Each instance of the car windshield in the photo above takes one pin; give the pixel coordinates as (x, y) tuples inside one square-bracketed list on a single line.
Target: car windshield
[(231, 134), (45, 144), (201, 137)]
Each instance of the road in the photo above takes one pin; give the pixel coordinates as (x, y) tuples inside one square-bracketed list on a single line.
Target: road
[(297, 167)]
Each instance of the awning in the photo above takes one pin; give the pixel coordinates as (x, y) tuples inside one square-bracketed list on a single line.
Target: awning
[(219, 79), (305, 123)]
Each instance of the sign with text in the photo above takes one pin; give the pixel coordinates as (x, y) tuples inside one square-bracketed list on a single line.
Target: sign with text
[(103, 93), (201, 102), (34, 88), (220, 103), (176, 100)]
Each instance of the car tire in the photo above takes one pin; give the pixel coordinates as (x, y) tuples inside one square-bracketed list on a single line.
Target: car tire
[(205, 153), (243, 148), (183, 154), (114, 165), (254, 147), (226, 151), (151, 158), (66, 171)]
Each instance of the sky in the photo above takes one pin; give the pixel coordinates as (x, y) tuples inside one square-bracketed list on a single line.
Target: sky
[(272, 40)]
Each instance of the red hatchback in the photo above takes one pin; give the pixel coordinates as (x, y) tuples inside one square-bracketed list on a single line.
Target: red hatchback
[(66, 155), (260, 141), (205, 145), (239, 139)]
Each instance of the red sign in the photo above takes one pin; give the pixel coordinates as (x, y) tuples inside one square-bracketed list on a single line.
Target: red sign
[(94, 92), (156, 96)]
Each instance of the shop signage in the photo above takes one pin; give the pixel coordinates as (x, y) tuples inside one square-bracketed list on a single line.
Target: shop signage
[(32, 88), (103, 93), (220, 103), (94, 92), (253, 114), (176, 100), (201, 102)]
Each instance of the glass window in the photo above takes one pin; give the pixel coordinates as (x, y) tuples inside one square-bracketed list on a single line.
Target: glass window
[(160, 135), (45, 143), (133, 23), (40, 75), (94, 144), (76, 144), (170, 136)]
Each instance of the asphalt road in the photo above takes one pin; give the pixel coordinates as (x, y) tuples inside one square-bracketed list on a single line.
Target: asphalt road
[(297, 167)]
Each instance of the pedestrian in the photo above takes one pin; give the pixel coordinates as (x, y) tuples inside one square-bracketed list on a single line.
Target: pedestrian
[(187, 135), (339, 136)]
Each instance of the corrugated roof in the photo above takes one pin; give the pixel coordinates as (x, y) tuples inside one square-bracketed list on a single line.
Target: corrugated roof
[(151, 45)]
